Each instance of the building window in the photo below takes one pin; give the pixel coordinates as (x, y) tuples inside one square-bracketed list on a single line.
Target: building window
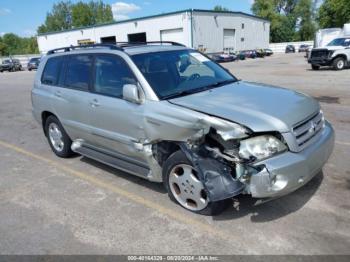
[(242, 39), (242, 25)]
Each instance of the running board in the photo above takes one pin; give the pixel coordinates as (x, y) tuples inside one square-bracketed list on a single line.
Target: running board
[(113, 161)]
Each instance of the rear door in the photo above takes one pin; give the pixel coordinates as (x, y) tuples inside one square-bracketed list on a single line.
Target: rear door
[(116, 123), (72, 97)]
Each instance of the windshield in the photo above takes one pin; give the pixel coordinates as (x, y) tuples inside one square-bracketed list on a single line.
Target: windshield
[(340, 42), (6, 61), (181, 72)]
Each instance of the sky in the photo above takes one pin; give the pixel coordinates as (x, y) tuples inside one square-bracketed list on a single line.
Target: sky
[(23, 17)]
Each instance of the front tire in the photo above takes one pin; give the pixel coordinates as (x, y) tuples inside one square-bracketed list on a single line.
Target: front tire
[(185, 188), (339, 63), (57, 137), (315, 67)]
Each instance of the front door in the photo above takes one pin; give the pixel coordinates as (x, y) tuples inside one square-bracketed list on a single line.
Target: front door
[(116, 123)]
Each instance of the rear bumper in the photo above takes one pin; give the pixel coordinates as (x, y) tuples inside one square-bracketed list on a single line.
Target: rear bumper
[(289, 171)]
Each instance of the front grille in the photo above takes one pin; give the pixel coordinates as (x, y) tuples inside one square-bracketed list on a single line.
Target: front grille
[(322, 53), (307, 131)]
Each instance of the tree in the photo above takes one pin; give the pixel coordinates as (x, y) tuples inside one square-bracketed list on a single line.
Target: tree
[(3, 48), (92, 13), (220, 8), (65, 15), (290, 19), (334, 13), (60, 18), (306, 25), (279, 14), (11, 44)]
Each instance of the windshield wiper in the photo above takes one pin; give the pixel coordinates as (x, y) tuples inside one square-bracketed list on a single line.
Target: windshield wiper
[(178, 94), (221, 83), (200, 89)]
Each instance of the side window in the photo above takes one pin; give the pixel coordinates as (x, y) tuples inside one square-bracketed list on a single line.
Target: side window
[(111, 74), (51, 71), (78, 72)]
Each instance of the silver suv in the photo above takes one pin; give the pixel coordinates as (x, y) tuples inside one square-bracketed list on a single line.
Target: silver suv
[(169, 114)]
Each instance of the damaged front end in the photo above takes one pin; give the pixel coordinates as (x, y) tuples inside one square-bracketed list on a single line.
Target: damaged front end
[(216, 153)]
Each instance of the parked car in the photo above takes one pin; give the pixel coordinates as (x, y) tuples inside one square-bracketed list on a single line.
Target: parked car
[(303, 48), (33, 63), (169, 114), (260, 53), (250, 54), (290, 49), (336, 54), (241, 55), (308, 51), (10, 65), (268, 52), (221, 58)]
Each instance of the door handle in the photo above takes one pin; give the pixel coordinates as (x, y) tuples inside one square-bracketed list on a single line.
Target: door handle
[(94, 103), (58, 94)]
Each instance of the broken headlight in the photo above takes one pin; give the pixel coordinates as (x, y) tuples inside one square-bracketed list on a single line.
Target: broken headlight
[(260, 147)]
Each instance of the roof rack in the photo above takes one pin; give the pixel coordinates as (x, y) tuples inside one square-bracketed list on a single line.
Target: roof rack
[(116, 46), (130, 44), (70, 48)]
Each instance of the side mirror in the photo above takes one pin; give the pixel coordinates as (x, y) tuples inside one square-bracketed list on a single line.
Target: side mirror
[(133, 94)]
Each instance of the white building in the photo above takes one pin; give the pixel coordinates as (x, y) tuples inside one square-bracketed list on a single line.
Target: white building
[(209, 31)]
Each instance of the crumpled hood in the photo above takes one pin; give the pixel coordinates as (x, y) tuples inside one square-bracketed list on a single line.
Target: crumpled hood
[(259, 107)]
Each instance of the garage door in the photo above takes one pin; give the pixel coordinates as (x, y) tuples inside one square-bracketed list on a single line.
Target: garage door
[(174, 35), (229, 39)]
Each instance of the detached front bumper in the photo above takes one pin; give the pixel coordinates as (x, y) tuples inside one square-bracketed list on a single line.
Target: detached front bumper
[(289, 171)]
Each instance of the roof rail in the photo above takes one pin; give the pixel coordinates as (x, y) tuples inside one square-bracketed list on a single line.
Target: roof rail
[(116, 46), (130, 44), (70, 48)]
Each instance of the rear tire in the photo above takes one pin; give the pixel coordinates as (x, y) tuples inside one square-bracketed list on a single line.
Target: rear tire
[(57, 137), (315, 67), (178, 160), (339, 63)]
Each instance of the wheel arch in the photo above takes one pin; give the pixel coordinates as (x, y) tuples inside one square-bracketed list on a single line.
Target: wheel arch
[(341, 56), (163, 150), (44, 116)]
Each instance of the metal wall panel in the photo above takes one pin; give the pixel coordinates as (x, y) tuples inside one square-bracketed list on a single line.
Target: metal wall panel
[(175, 35), (208, 31), (152, 26)]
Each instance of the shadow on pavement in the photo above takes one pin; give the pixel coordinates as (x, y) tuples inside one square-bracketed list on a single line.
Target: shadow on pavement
[(243, 205)]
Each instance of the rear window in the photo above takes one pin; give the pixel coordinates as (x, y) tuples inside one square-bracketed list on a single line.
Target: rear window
[(51, 72), (78, 72)]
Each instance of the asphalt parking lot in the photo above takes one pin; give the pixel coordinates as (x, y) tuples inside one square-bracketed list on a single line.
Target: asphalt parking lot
[(78, 206)]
